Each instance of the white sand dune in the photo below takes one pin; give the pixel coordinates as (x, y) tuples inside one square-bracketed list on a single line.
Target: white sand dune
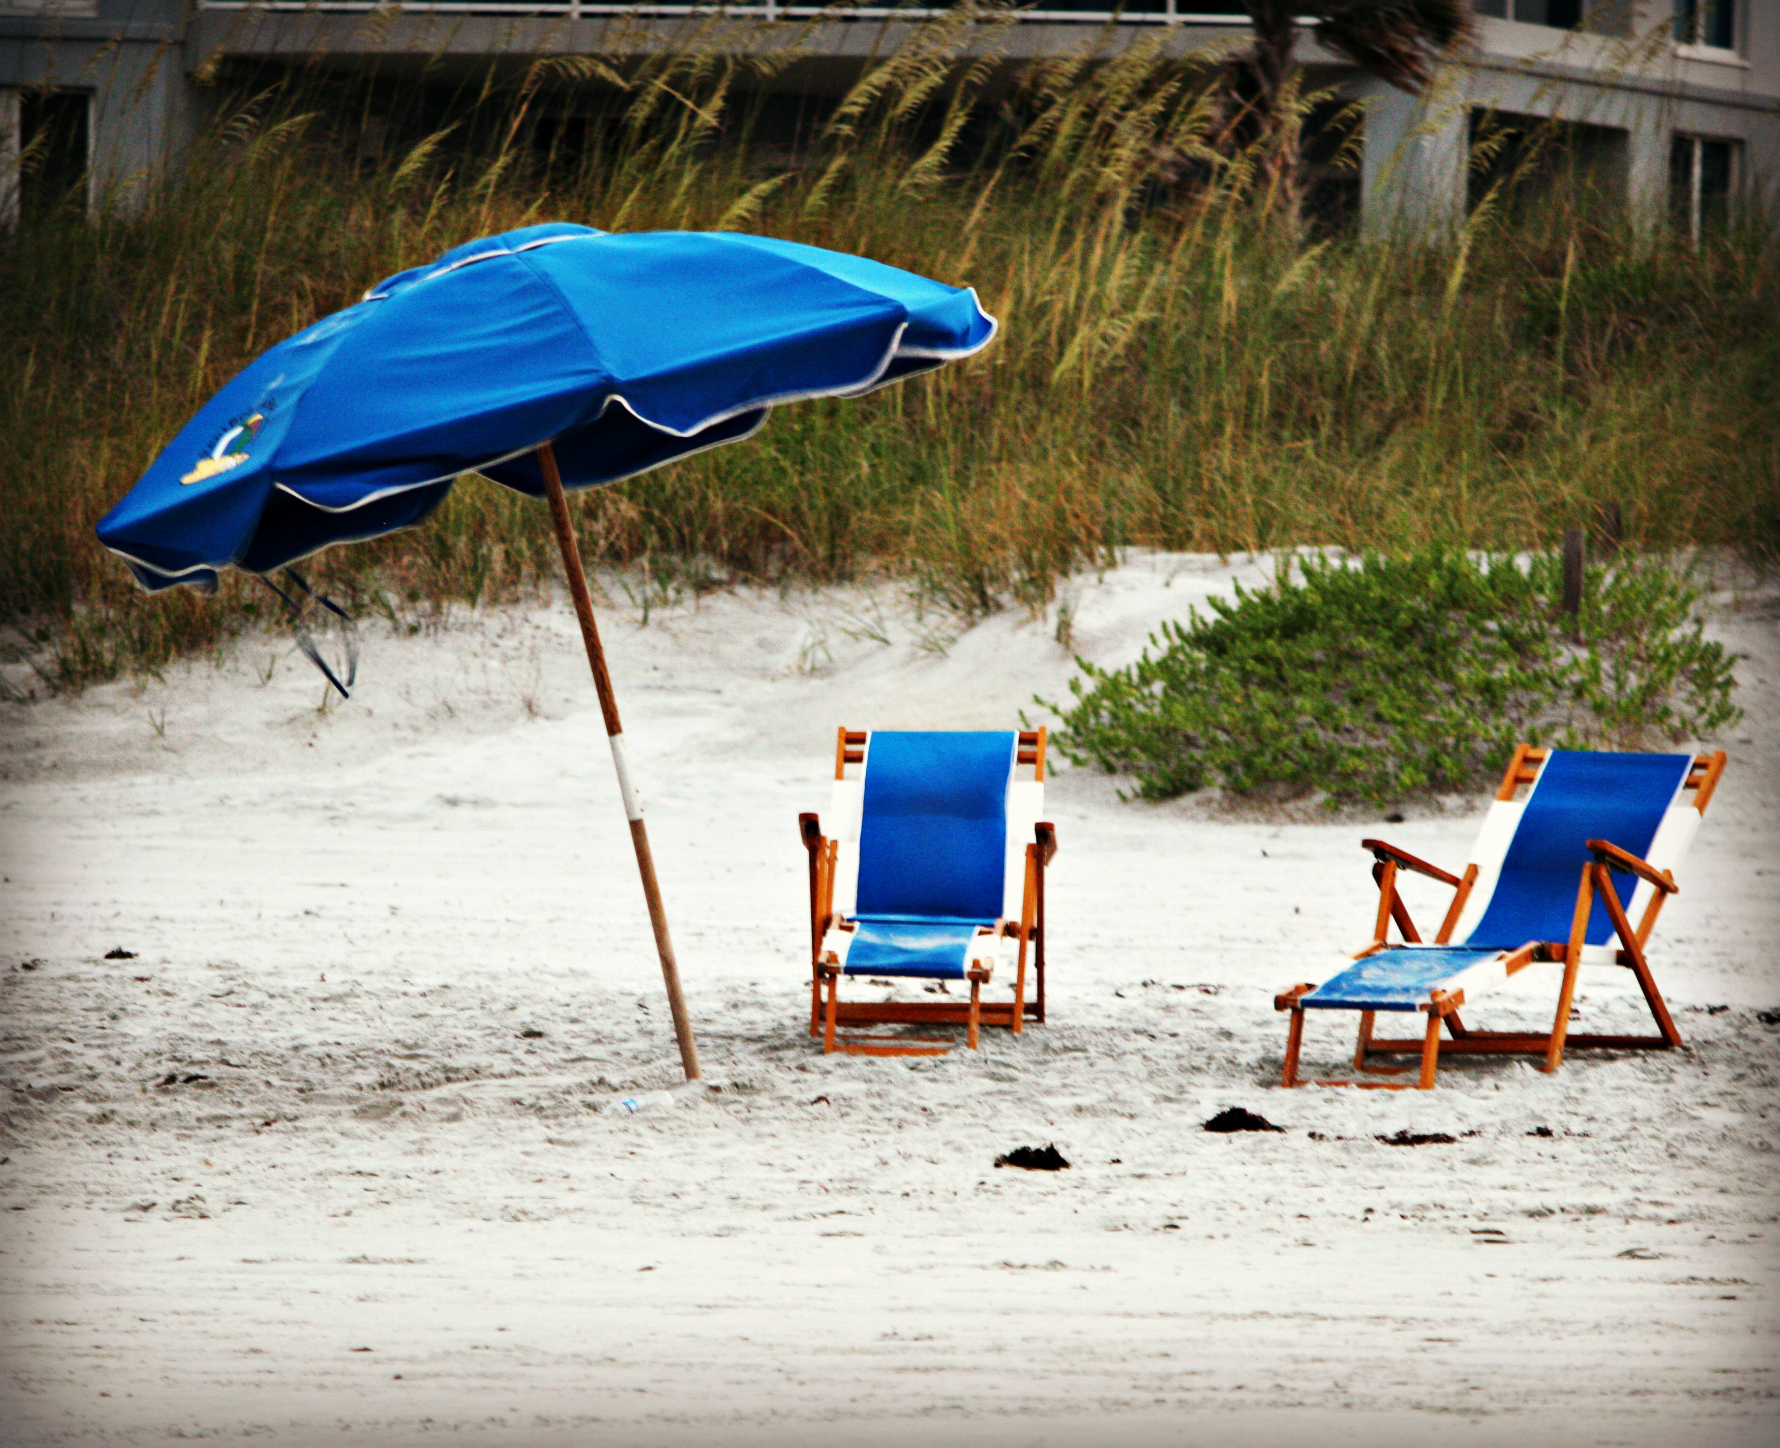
[(323, 1163)]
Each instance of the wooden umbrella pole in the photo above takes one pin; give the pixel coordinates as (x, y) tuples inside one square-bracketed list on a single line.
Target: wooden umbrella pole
[(633, 809)]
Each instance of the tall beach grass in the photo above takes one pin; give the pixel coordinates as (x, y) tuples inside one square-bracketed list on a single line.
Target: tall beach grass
[(1179, 367)]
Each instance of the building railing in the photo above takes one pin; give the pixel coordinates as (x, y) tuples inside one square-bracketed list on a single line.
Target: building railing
[(1138, 12)]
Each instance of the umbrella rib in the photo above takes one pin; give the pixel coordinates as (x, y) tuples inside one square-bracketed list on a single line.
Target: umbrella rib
[(376, 296), (633, 809)]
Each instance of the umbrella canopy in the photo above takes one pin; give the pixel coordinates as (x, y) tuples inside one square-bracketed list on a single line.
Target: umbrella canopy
[(623, 351), (555, 355)]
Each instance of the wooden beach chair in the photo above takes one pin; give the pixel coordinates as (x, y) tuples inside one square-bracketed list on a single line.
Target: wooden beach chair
[(932, 867), (1546, 882)]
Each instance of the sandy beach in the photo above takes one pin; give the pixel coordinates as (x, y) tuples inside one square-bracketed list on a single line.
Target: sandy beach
[(323, 1159)]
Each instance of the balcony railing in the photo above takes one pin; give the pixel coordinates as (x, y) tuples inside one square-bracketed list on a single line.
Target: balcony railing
[(1096, 12)]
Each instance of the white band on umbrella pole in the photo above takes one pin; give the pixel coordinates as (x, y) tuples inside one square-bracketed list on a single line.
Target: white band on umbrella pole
[(633, 806)]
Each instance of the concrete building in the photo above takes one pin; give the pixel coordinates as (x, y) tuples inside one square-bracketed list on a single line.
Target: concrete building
[(1674, 103)]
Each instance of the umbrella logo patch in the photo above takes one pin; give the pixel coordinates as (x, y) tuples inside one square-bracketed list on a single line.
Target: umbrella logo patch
[(219, 459)]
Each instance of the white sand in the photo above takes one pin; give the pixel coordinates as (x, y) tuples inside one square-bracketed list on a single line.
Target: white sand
[(386, 1215)]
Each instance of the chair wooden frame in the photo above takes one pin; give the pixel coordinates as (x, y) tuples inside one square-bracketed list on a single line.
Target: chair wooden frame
[(828, 1013), (1442, 1008)]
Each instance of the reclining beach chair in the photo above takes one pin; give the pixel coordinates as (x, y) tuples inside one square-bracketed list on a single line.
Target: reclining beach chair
[(932, 868), (1606, 820)]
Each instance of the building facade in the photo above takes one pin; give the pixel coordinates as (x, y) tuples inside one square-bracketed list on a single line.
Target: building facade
[(1675, 103)]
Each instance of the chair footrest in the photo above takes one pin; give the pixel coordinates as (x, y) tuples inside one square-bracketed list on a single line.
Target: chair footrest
[(1512, 1042), (947, 1013), (890, 1046), (1370, 1085)]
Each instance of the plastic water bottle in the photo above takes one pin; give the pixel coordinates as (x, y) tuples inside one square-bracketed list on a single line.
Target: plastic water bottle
[(648, 1101)]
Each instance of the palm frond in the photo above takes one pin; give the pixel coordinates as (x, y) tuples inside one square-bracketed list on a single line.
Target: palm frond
[(1399, 41)]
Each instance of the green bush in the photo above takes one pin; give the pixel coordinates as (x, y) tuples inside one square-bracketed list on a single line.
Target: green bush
[(1401, 673)]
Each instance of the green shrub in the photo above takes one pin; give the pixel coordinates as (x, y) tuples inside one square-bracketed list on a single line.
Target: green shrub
[(1401, 673)]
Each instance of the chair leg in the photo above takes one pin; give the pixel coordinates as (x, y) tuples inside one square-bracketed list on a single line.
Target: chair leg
[(1366, 1020), (815, 1002), (1020, 989), (1654, 998), (834, 981), (1633, 948), (976, 991), (1430, 1052), (1560, 1026), (1294, 1039)]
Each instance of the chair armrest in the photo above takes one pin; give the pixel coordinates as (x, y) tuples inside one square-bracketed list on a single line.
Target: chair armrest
[(809, 826), (1046, 835), (1288, 1000), (1382, 852), (1615, 858)]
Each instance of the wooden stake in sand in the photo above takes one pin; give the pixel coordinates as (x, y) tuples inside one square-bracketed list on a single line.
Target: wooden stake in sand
[(633, 809)]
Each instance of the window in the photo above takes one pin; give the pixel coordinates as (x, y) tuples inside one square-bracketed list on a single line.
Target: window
[(1702, 178), (1532, 166), (1331, 148), (1601, 17), (1706, 22), (43, 151)]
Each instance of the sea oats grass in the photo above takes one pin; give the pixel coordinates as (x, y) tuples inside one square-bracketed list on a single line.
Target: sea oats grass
[(1180, 366)]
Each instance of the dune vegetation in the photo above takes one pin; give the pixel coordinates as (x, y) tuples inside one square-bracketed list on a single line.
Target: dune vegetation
[(1182, 366)]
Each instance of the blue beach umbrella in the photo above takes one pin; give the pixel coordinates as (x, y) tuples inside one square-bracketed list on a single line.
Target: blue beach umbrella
[(547, 358)]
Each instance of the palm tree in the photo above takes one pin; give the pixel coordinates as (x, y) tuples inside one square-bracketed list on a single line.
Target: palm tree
[(1399, 41)]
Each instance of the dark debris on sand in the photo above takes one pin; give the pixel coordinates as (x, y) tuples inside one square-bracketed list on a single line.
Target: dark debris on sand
[(1235, 1118), (1034, 1158)]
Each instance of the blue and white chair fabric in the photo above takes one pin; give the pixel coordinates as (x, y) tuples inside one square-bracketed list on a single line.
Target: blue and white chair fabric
[(1559, 875), (928, 865)]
